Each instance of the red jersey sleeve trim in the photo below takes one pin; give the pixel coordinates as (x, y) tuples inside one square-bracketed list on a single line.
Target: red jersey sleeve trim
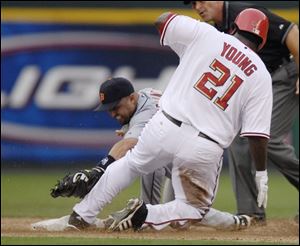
[(164, 27), (254, 134)]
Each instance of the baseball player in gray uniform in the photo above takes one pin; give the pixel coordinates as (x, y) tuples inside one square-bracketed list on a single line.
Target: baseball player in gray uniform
[(133, 110), (282, 42)]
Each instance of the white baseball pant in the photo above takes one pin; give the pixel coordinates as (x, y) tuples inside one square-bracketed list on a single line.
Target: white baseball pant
[(196, 167)]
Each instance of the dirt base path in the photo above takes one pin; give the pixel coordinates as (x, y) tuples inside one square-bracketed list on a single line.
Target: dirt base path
[(277, 230)]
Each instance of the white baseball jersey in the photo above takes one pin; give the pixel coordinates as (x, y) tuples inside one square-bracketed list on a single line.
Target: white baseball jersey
[(228, 84)]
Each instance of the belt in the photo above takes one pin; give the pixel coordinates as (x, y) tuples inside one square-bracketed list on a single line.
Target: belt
[(283, 61), (170, 118), (179, 123)]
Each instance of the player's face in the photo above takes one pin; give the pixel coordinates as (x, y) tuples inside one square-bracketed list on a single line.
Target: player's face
[(124, 110), (208, 10)]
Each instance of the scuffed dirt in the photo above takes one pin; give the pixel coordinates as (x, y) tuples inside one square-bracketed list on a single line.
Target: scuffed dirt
[(276, 231)]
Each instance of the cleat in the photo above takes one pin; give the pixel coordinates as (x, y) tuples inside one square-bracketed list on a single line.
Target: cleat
[(107, 222), (258, 219), (76, 221), (132, 216), (242, 221)]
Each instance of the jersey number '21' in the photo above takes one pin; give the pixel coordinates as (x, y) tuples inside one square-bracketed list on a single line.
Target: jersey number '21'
[(221, 102)]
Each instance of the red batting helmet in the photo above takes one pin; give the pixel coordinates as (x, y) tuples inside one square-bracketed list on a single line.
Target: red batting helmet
[(253, 21)]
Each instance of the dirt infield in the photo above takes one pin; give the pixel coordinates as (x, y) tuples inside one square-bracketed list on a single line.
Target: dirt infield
[(277, 231)]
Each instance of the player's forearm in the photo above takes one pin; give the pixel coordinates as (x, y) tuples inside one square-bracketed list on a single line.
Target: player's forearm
[(121, 147), (258, 149)]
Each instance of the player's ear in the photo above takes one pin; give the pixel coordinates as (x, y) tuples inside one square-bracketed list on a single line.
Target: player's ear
[(131, 97), (135, 98)]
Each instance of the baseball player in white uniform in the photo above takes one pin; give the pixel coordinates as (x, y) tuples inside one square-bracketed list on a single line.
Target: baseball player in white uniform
[(219, 87)]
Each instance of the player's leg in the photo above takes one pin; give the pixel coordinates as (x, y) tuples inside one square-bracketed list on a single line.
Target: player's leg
[(116, 177), (144, 158), (151, 186), (195, 178), (283, 157), (225, 221), (156, 187), (168, 191), (285, 108), (196, 167), (195, 174), (195, 186)]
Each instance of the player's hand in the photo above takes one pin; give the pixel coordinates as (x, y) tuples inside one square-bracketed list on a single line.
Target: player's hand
[(297, 87), (78, 184), (261, 180), (120, 133)]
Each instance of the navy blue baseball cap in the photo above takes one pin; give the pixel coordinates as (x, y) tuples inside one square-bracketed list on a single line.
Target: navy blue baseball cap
[(112, 91)]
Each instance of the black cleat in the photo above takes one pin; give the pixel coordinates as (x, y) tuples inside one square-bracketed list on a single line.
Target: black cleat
[(132, 216), (242, 221), (76, 221), (257, 219)]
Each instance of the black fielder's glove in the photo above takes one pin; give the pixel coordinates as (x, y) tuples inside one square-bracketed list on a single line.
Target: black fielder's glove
[(77, 184)]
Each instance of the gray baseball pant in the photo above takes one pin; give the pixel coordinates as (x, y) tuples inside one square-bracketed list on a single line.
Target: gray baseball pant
[(153, 183)]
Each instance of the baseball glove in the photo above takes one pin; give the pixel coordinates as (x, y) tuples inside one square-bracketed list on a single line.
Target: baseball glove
[(77, 184)]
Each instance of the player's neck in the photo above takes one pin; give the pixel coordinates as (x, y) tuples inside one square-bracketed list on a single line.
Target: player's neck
[(246, 42)]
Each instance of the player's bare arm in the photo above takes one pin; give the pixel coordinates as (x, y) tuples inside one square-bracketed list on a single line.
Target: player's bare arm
[(121, 147), (292, 42), (258, 148)]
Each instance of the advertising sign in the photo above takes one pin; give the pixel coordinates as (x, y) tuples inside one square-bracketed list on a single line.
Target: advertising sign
[(50, 77)]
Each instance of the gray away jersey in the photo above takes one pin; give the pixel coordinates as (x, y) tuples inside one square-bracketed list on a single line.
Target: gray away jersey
[(147, 106)]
